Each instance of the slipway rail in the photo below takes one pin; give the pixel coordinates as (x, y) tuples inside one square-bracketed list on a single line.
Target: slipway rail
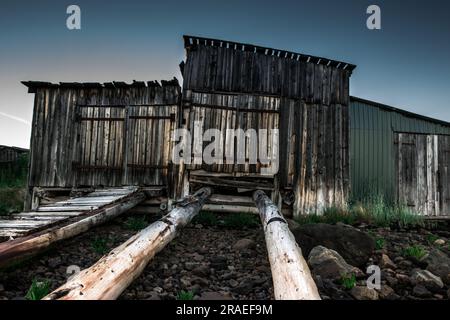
[(290, 274), (112, 274), (32, 232)]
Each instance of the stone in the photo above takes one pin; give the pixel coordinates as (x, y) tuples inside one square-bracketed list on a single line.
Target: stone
[(354, 246), (190, 265), (158, 289), (54, 262), (386, 292), (233, 283), (245, 287), (185, 282), (364, 293), (214, 296), (439, 242), (218, 262), (386, 262), (439, 264), (201, 271), (328, 264), (421, 292), (426, 279), (244, 244), (2, 288)]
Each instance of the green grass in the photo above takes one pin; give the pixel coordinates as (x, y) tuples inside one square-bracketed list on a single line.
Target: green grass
[(136, 223), (348, 281), (431, 238), (11, 200), (379, 243), (100, 245), (185, 295), (205, 218), (38, 290), (417, 252), (240, 220), (374, 211)]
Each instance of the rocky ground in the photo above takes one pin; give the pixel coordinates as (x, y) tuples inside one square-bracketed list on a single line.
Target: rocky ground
[(414, 263), (209, 262), (217, 262)]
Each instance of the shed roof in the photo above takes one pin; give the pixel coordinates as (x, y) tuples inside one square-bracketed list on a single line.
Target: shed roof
[(33, 85), (192, 41), (401, 111)]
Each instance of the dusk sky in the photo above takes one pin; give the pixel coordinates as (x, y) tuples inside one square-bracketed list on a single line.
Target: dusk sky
[(406, 64)]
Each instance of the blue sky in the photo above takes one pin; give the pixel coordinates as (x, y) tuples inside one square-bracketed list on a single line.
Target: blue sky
[(406, 64)]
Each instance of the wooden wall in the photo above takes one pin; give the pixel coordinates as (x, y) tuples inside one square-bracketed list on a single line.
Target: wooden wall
[(102, 135), (422, 172), (10, 154), (305, 97)]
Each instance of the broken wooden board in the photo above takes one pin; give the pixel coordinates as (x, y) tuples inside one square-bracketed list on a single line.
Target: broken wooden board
[(41, 238), (48, 215)]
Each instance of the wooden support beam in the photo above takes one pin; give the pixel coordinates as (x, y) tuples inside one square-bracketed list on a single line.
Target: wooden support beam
[(291, 276), (112, 274), (24, 247)]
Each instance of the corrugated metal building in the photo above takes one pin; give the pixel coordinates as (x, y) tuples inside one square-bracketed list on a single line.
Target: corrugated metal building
[(383, 140)]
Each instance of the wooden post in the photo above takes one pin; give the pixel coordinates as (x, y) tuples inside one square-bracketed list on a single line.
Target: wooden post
[(112, 274), (291, 276)]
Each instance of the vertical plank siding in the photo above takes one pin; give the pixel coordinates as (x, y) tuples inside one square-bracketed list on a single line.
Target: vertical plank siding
[(93, 134), (378, 167), (232, 85)]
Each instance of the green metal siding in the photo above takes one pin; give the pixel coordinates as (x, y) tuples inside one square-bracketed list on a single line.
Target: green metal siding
[(372, 128)]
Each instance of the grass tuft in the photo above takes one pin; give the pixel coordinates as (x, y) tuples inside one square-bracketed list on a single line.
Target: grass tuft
[(185, 295), (205, 218), (240, 220), (100, 245), (348, 281), (417, 252), (136, 223), (38, 290)]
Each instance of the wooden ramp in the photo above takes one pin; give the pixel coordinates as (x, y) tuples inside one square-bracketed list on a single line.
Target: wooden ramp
[(36, 231), (46, 216)]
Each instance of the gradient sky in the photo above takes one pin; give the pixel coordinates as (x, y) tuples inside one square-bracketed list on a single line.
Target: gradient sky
[(406, 64)]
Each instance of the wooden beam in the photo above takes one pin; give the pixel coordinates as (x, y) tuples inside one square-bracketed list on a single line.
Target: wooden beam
[(112, 274), (291, 276), (25, 247)]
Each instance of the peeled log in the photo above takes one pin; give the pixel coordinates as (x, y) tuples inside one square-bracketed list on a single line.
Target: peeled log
[(291, 276), (112, 274)]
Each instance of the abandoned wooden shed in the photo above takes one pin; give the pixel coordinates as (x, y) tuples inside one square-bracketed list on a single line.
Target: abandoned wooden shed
[(234, 85), (402, 156), (87, 135), (323, 147), (11, 154)]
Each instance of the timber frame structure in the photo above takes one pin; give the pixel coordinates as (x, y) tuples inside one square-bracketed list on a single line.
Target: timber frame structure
[(91, 135)]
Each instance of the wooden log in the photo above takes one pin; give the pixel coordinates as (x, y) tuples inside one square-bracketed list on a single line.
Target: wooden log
[(112, 274), (291, 276), (24, 247)]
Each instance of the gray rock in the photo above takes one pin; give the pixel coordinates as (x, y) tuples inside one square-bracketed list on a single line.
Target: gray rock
[(386, 292), (244, 244), (201, 271), (328, 264), (54, 262), (386, 262), (354, 246), (426, 279), (190, 265), (2, 288), (421, 292), (439, 264), (233, 283), (364, 293)]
